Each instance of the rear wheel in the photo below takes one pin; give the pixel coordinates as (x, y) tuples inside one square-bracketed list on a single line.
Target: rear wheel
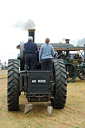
[(13, 85), (60, 87)]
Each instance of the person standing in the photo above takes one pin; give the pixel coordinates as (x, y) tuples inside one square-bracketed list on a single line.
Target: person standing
[(30, 51), (45, 56)]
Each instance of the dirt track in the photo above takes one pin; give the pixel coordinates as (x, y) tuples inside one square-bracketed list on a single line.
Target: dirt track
[(72, 116)]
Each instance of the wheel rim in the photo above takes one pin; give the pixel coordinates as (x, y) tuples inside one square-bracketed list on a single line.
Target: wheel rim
[(71, 72), (82, 74)]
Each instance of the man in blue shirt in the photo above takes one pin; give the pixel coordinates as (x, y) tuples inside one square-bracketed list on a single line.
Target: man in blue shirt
[(45, 56), (30, 51)]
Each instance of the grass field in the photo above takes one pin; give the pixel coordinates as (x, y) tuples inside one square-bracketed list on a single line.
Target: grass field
[(72, 116)]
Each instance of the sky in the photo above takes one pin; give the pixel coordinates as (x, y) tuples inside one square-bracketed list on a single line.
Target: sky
[(56, 19)]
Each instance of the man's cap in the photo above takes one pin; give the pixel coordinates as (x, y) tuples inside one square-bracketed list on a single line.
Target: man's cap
[(30, 38)]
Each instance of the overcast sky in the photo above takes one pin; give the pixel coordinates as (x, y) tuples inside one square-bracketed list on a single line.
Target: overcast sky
[(56, 19)]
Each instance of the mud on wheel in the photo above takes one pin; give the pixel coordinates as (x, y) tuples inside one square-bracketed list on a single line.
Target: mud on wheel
[(13, 85), (60, 87)]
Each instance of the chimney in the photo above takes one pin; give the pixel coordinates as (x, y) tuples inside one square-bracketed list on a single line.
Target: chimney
[(31, 32), (84, 53), (67, 41)]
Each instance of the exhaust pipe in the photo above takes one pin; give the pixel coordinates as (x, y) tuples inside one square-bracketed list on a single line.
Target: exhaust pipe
[(84, 53), (67, 41), (31, 32)]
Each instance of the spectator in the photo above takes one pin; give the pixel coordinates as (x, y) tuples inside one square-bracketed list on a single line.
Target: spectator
[(45, 56)]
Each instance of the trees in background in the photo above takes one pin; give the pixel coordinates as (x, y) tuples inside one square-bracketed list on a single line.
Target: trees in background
[(81, 42)]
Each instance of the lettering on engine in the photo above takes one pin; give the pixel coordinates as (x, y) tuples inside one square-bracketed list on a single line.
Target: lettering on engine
[(34, 81), (39, 81)]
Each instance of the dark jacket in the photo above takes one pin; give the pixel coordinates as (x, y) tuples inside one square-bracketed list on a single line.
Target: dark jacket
[(30, 47)]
